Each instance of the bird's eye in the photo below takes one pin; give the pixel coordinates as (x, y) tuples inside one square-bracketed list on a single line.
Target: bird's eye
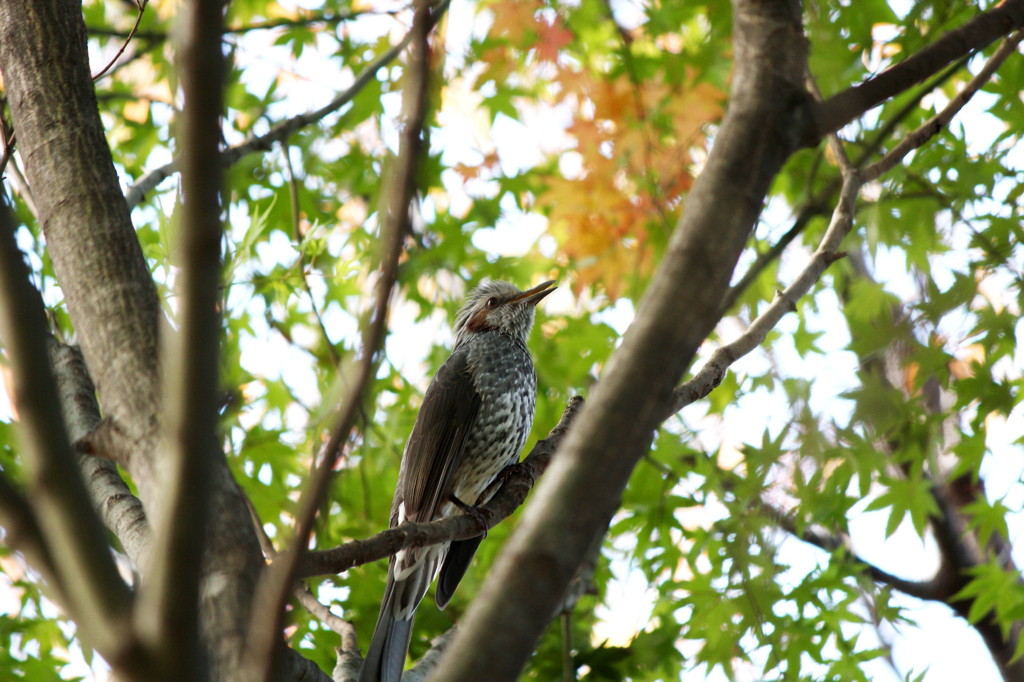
[(492, 302)]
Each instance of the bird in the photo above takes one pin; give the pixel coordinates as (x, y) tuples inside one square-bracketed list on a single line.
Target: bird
[(474, 420)]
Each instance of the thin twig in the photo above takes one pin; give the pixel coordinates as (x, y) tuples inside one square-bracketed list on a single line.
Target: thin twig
[(138, 20), (148, 182), (275, 585), (300, 22), (713, 371), (428, 661), (846, 168), (810, 210), (337, 624), (568, 666), (20, 184), (936, 123), (934, 589), (293, 195), (6, 138), (269, 24), (641, 113), (269, 552), (868, 597), (818, 204)]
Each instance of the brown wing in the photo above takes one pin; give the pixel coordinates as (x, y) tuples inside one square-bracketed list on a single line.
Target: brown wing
[(438, 440)]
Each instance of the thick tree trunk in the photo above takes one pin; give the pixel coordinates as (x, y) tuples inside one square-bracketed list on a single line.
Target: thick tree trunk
[(110, 295), (767, 120), (89, 234)]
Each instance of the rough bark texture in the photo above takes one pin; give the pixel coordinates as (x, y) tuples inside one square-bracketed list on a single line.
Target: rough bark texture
[(121, 511), (89, 234), (766, 121), (113, 304), (110, 294)]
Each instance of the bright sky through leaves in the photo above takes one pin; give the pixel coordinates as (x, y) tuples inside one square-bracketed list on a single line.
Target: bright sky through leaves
[(564, 140)]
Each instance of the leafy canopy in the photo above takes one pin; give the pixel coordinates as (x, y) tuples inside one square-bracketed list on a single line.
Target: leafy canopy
[(563, 139)]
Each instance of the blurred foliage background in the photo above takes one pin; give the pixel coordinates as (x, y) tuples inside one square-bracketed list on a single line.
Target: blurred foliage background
[(563, 139)]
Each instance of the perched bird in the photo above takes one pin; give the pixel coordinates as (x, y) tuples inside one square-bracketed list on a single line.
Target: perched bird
[(475, 417)]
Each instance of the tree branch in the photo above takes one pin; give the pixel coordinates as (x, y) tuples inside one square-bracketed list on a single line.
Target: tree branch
[(275, 586), (958, 553), (7, 139), (23, 534), (127, 40), (148, 182), (168, 615), (936, 123), (840, 109), (349, 661), (932, 590), (818, 204), (345, 629), (810, 210), (21, 186), (293, 196), (328, 18), (958, 548), (713, 371), (430, 660), (516, 484), (76, 542), (120, 510), (764, 123)]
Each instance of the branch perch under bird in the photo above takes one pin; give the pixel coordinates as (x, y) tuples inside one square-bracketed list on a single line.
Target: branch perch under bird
[(475, 418)]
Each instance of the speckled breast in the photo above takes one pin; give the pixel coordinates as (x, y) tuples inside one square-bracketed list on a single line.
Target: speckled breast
[(507, 384)]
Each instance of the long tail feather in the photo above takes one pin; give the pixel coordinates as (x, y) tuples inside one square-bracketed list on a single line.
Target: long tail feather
[(454, 567), (385, 657)]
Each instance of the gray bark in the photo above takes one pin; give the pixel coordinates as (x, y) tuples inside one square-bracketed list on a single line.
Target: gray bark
[(767, 119), (110, 295)]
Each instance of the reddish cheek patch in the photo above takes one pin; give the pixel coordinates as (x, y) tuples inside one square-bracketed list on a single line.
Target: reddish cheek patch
[(478, 322)]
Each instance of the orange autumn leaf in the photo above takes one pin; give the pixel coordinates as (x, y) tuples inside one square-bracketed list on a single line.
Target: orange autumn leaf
[(910, 372), (467, 172), (514, 19), (635, 141), (136, 111), (551, 38)]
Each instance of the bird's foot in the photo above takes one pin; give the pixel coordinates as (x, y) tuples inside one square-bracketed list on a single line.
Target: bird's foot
[(513, 469), (470, 510)]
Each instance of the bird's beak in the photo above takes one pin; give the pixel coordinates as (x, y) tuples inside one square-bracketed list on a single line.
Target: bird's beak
[(534, 295)]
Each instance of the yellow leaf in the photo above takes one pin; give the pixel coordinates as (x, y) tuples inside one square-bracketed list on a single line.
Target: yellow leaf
[(514, 19), (136, 111), (274, 10)]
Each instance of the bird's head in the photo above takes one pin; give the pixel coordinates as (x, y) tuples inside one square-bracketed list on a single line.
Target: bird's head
[(499, 306)]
